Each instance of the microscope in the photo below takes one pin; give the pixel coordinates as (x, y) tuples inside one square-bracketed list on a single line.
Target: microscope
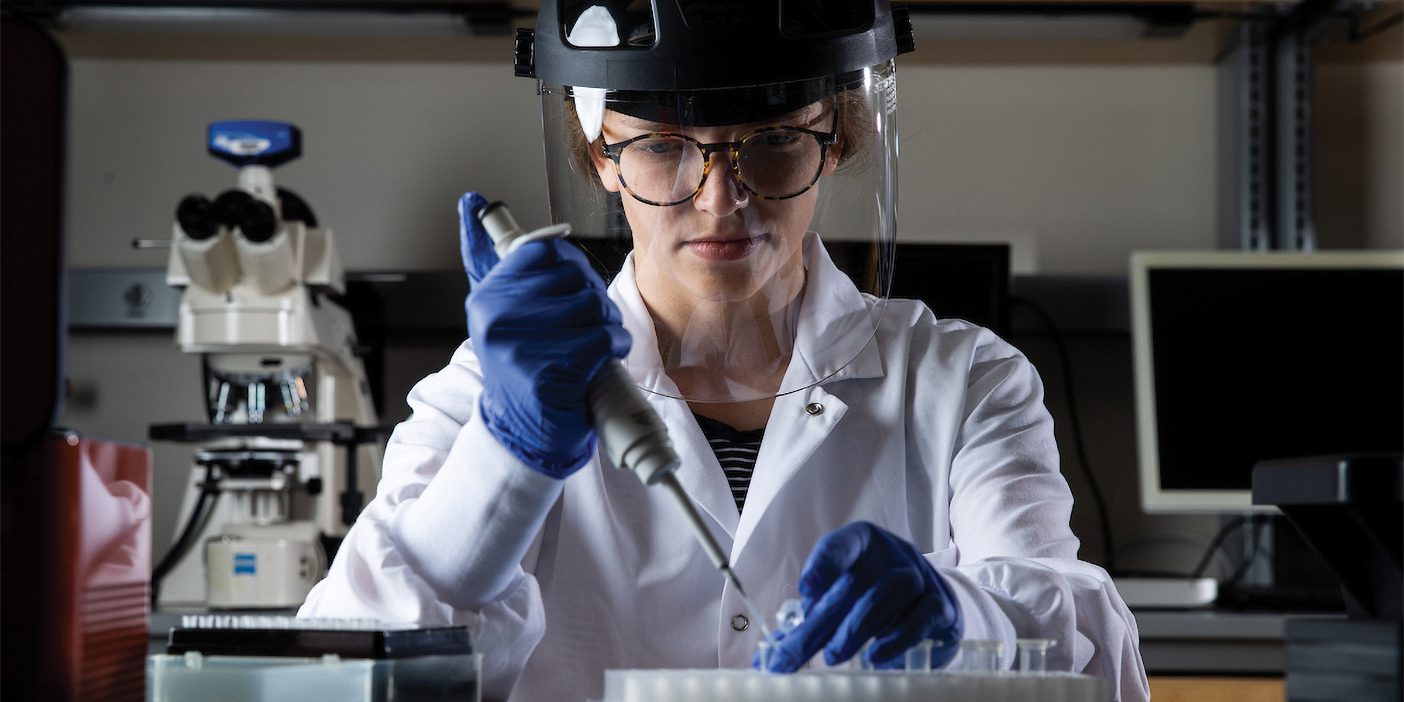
[(289, 451)]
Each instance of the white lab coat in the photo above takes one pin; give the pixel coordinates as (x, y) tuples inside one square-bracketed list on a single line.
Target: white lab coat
[(936, 432)]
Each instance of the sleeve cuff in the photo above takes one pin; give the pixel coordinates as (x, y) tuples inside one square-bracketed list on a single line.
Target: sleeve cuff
[(467, 532), (984, 619)]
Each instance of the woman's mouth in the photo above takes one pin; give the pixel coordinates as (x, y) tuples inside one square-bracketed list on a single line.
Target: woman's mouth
[(724, 248)]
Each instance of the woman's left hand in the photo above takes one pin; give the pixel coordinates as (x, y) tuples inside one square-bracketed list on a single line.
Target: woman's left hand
[(862, 582)]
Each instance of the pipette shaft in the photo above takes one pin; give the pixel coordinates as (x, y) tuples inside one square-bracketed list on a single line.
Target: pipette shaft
[(669, 483)]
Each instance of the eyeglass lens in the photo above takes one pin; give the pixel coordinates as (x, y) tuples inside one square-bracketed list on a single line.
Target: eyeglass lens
[(667, 169)]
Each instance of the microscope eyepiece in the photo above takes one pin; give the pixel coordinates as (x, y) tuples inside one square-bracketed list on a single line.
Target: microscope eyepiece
[(196, 217), (257, 222), (254, 218), (228, 206)]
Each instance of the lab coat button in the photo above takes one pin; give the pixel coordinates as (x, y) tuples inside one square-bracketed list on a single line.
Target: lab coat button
[(814, 409), (740, 622)]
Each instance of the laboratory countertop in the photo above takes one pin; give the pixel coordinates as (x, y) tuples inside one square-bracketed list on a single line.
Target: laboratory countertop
[(1197, 642), (1173, 642)]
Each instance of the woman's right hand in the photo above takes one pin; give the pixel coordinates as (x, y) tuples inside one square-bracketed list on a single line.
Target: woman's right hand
[(542, 327)]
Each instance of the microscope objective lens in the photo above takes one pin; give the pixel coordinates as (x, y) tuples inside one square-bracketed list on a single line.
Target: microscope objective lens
[(254, 403), (222, 404)]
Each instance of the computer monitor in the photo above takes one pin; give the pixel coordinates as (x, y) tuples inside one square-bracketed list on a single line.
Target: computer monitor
[(965, 281), (1243, 357)]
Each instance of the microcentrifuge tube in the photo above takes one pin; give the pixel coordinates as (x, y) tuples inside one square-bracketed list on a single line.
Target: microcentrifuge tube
[(1033, 654), (789, 616), (981, 655), (919, 657), (764, 649)]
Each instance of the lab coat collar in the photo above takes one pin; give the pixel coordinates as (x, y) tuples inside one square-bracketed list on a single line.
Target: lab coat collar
[(699, 472), (834, 313), (832, 308)]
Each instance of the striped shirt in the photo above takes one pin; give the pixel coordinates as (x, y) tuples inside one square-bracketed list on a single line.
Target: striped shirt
[(736, 452)]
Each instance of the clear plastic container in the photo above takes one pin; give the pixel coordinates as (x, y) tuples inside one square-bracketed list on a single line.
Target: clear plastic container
[(192, 676), (981, 655), (848, 686), (1033, 654), (918, 658)]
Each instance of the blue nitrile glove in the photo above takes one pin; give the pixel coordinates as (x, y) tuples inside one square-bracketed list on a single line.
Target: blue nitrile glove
[(474, 245), (542, 326), (862, 582)]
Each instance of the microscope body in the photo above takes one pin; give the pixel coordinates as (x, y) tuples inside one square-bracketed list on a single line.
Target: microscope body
[(279, 357)]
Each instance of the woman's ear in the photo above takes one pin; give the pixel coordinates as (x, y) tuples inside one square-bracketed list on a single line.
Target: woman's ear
[(604, 167)]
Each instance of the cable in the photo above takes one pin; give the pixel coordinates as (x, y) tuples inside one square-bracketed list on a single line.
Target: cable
[(1259, 523), (1229, 527), (204, 507), (1217, 556), (1358, 34), (1227, 14), (1099, 501)]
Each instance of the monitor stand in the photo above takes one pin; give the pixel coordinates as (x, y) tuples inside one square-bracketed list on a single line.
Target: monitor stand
[(1167, 593), (1291, 578)]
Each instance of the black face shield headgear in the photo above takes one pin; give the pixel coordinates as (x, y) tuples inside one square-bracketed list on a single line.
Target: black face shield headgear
[(793, 105)]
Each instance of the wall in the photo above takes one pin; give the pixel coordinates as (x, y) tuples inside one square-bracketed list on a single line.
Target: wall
[(1078, 165), (1077, 152)]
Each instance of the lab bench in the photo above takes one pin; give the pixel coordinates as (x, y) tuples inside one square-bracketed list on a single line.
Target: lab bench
[(1201, 655), (1193, 643), (1213, 642), (1210, 655)]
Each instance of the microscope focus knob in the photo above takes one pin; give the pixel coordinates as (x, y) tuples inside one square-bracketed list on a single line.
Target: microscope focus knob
[(195, 214)]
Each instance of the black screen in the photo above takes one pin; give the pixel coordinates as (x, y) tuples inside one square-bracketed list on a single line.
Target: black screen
[(1256, 364)]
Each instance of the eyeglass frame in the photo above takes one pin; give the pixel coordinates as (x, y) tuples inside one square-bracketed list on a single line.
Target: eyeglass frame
[(731, 148)]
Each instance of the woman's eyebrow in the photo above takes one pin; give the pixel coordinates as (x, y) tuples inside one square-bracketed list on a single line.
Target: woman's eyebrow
[(610, 132), (794, 120), (632, 122)]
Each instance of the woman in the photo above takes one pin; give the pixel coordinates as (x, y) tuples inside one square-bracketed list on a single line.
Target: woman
[(896, 471)]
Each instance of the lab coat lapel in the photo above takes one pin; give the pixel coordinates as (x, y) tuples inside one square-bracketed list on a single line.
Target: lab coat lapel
[(801, 421), (793, 434), (699, 472), (791, 438)]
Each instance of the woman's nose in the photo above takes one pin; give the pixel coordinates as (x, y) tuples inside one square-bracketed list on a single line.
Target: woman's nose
[(722, 193)]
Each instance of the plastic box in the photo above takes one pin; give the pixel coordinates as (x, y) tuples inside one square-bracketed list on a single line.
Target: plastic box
[(193, 676)]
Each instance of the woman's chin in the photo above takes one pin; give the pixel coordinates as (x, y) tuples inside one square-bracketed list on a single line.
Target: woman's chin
[(732, 284), (759, 271), (722, 292)]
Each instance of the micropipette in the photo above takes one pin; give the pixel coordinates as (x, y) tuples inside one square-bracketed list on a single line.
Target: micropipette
[(631, 433)]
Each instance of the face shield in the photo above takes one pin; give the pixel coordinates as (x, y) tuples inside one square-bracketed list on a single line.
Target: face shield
[(759, 213)]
